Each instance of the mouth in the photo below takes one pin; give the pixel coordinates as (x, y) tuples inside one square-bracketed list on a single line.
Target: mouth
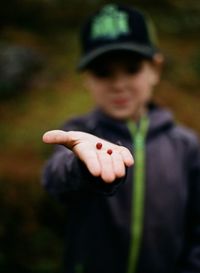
[(120, 101)]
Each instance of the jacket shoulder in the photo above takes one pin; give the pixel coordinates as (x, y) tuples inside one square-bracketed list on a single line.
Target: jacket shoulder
[(185, 135)]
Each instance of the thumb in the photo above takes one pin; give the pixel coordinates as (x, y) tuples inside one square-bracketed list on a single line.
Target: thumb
[(56, 137)]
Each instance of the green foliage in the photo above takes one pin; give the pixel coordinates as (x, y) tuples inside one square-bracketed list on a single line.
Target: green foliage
[(17, 66), (55, 15), (195, 63)]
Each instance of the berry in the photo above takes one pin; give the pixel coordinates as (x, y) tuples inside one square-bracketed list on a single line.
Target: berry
[(99, 145), (109, 151)]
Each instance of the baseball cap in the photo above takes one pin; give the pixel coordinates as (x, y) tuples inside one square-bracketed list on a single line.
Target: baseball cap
[(116, 27)]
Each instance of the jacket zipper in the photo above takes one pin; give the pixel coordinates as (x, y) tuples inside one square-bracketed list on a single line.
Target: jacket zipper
[(138, 134)]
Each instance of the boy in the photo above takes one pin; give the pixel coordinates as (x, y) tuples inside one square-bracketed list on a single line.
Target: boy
[(120, 218)]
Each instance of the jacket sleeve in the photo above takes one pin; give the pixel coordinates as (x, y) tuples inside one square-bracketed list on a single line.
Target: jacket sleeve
[(192, 251)]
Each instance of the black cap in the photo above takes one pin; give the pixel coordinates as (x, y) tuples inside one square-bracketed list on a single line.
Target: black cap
[(117, 27)]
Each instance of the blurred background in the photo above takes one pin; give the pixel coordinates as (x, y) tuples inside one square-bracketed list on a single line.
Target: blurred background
[(39, 89)]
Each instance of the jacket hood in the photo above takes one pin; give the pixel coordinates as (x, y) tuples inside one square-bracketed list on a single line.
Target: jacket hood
[(161, 119)]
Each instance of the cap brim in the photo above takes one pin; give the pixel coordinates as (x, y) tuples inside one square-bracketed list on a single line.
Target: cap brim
[(146, 51)]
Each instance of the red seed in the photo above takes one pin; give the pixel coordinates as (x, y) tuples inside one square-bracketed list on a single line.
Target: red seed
[(99, 145), (109, 151)]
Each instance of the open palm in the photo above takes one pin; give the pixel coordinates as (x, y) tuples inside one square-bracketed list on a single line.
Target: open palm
[(99, 162)]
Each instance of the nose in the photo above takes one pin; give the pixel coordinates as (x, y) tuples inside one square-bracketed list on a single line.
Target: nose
[(119, 80)]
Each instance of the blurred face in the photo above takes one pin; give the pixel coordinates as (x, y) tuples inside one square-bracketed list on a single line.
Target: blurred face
[(122, 85)]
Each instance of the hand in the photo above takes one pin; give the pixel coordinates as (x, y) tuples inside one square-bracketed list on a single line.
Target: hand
[(98, 161)]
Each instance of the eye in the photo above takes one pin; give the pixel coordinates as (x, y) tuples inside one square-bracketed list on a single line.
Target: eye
[(102, 72), (133, 68)]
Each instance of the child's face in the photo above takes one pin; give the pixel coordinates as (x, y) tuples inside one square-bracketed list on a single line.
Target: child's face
[(122, 87)]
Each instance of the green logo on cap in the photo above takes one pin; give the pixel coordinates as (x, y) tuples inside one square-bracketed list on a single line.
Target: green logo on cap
[(110, 23)]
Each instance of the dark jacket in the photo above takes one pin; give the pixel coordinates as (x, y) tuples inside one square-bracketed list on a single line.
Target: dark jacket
[(98, 214)]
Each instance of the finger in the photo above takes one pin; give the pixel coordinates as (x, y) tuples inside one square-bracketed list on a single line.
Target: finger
[(118, 164), (55, 137), (90, 158), (107, 172), (127, 156)]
